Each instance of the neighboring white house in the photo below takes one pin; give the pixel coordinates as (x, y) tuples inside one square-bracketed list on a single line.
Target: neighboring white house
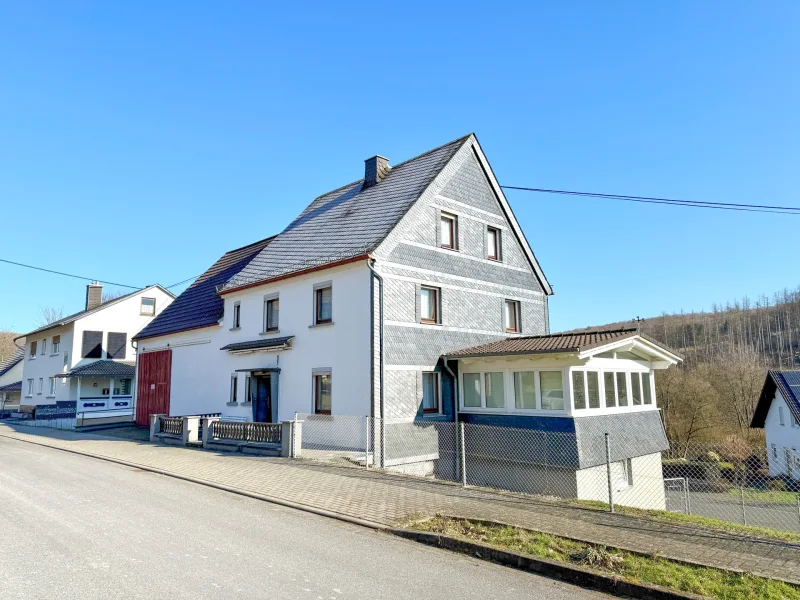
[(11, 380), (85, 363), (778, 413)]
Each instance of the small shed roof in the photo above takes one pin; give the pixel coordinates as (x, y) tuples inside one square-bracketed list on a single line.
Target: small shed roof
[(12, 387), (265, 344)]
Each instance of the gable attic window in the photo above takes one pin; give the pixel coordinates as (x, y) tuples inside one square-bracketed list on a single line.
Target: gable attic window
[(511, 316), (492, 243), (448, 229), (34, 345), (148, 307), (429, 305)]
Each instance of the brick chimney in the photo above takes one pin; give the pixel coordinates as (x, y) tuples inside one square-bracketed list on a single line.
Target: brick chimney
[(94, 295), (375, 170)]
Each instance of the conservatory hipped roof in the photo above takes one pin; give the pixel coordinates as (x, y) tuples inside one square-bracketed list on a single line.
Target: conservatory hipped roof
[(584, 343)]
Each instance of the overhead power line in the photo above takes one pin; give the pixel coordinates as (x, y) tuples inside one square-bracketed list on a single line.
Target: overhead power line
[(765, 208), (184, 281), (11, 262)]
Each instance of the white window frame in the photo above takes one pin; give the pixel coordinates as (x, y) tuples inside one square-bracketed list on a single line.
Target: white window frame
[(602, 371), (34, 347), (30, 389), (55, 347), (41, 386), (781, 417), (43, 347), (52, 393), (510, 406)]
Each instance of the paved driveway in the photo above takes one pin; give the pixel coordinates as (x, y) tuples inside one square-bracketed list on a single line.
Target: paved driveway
[(77, 527)]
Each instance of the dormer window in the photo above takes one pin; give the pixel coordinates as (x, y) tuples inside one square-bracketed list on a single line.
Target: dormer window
[(447, 231)]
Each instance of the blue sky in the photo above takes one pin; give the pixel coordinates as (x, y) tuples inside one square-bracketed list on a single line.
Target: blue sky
[(140, 141)]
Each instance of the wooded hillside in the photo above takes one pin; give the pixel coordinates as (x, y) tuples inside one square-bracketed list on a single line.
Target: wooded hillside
[(712, 395)]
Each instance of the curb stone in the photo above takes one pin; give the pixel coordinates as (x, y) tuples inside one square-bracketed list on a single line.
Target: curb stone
[(575, 574)]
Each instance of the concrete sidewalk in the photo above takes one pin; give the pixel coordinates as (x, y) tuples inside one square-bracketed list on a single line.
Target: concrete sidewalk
[(392, 499)]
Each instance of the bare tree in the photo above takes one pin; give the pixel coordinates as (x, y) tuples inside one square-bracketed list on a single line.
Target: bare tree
[(112, 295), (49, 315)]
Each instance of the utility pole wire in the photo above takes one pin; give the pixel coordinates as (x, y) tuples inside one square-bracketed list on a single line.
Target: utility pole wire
[(11, 262), (785, 210)]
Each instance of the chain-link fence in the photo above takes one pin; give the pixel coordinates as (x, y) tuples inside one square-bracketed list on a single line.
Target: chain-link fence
[(738, 483)]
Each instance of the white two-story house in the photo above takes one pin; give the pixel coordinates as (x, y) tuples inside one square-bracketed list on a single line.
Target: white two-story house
[(360, 306), (84, 364), (778, 414)]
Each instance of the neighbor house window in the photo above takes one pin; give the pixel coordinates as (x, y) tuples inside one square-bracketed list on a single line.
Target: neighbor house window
[(322, 394), (551, 385), (44, 346), (493, 243), (430, 393), (622, 389), (636, 389), (578, 390), (622, 472), (525, 390), (30, 387), (41, 385), (125, 387), (511, 316), (611, 398), (780, 416), (323, 305), (429, 305), (92, 344), (234, 389), (447, 231), (34, 345), (148, 307), (52, 386), (472, 390), (647, 393), (271, 311), (56, 344), (237, 316)]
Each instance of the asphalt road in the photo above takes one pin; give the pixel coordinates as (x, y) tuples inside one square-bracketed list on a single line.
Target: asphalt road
[(77, 527)]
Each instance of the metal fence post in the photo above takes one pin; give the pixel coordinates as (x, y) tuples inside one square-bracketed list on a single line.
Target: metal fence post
[(463, 454), (608, 473), (744, 510), (366, 442), (686, 493)]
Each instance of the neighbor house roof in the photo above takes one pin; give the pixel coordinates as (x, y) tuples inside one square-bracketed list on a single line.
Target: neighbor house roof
[(103, 368), (85, 313), (199, 305), (12, 387), (347, 223), (576, 341), (9, 363), (788, 383)]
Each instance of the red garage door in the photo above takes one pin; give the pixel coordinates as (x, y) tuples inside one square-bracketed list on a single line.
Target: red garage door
[(155, 371)]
